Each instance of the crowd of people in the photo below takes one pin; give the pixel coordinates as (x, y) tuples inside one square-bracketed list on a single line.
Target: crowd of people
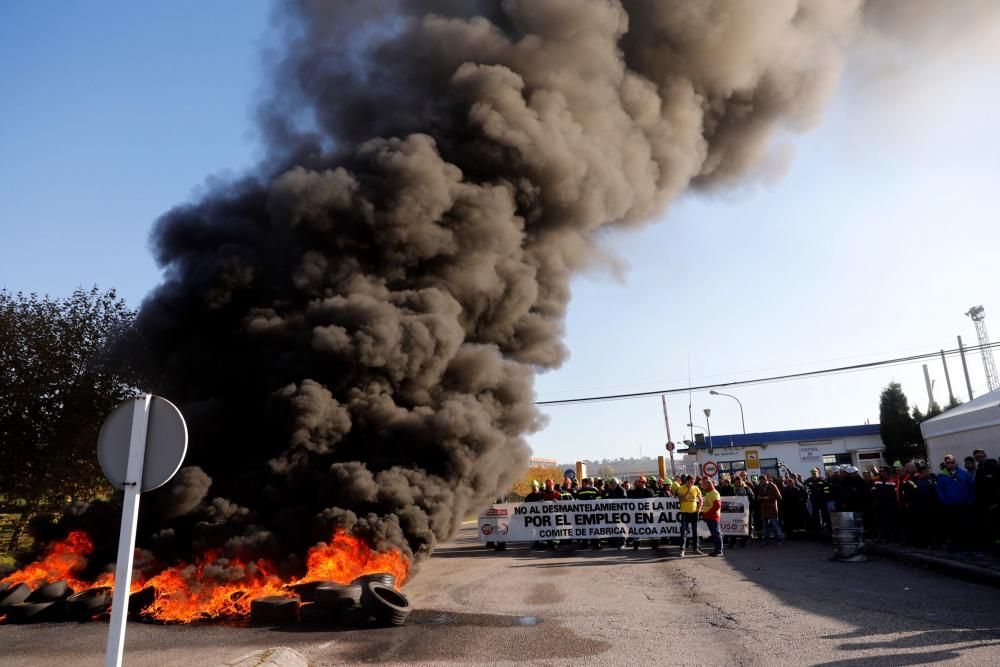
[(699, 498), (956, 507)]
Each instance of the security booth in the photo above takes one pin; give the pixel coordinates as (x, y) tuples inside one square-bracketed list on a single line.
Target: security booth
[(795, 451)]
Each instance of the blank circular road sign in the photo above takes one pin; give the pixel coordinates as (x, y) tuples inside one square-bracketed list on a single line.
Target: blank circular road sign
[(166, 443)]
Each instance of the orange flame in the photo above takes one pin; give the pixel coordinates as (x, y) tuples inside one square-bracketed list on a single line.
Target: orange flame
[(62, 561), (215, 587), (346, 558)]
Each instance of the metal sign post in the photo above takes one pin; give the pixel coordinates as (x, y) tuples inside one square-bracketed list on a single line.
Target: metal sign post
[(142, 444), (670, 442), (126, 538)]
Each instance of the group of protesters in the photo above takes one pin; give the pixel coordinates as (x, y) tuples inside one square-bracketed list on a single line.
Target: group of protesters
[(699, 498), (956, 507)]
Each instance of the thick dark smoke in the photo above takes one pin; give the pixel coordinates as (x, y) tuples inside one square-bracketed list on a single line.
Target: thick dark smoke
[(353, 332)]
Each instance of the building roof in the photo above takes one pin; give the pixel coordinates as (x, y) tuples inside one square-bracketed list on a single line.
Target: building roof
[(981, 412), (800, 435)]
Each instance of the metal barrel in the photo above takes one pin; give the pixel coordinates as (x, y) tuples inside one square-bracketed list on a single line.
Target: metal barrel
[(848, 536)]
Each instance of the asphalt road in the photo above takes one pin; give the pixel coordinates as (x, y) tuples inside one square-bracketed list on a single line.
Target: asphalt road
[(756, 606)]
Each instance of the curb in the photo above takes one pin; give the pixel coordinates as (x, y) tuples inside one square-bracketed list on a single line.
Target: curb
[(979, 575)]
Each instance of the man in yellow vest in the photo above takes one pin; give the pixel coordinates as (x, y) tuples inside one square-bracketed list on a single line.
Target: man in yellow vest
[(690, 496)]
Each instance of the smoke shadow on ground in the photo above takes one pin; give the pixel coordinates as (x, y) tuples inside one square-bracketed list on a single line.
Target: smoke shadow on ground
[(880, 599), (436, 635)]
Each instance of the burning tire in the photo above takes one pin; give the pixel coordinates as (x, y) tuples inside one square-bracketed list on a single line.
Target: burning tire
[(386, 604), (138, 601), (307, 591), (337, 596), (383, 578), (53, 592), (92, 602), (314, 614), (34, 612), (274, 610), (14, 595)]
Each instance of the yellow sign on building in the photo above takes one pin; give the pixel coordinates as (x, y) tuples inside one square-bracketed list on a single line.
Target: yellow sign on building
[(752, 459)]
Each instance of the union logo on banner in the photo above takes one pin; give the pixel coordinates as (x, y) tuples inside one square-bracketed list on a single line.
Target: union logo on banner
[(487, 529), (495, 511)]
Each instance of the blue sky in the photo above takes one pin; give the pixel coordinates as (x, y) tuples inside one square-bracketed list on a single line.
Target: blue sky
[(881, 234)]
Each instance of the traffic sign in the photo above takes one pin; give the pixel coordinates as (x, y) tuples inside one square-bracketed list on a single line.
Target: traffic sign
[(569, 474), (141, 446), (710, 468), (165, 446), (671, 446)]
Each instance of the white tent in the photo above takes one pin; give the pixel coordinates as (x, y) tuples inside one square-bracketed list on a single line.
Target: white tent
[(972, 425)]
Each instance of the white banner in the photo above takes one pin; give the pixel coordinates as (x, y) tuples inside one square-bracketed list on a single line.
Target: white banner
[(597, 519)]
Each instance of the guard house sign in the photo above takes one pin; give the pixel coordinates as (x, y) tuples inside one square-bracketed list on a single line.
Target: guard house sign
[(810, 454), (752, 459)]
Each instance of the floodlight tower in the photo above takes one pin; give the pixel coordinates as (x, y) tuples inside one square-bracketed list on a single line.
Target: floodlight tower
[(978, 316)]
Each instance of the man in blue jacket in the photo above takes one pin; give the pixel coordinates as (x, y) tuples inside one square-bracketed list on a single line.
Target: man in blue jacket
[(956, 489)]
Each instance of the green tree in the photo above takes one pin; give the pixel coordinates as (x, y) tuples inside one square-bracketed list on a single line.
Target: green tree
[(933, 410), (58, 380), (918, 416), (953, 402), (899, 430)]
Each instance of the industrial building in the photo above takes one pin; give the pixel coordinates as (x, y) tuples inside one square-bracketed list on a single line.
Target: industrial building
[(799, 451)]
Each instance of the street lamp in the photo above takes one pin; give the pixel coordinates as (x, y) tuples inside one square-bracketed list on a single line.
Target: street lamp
[(708, 422), (742, 421)]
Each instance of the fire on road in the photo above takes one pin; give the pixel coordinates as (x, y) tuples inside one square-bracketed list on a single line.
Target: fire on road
[(756, 606)]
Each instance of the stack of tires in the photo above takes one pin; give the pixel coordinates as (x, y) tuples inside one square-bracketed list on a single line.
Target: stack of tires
[(46, 603), (367, 599)]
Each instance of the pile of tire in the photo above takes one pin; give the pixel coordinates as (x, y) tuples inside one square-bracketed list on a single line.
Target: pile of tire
[(328, 603), (89, 604), (367, 599), (46, 603)]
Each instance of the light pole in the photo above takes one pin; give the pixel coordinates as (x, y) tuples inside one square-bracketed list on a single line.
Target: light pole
[(708, 422), (742, 421)]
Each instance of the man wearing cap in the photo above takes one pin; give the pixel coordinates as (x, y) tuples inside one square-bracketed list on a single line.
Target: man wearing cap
[(819, 494)]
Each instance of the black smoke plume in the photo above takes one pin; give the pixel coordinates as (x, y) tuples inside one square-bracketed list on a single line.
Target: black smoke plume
[(353, 331)]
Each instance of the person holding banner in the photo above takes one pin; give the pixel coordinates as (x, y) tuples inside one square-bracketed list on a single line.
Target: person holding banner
[(588, 493), (691, 501), (535, 497), (641, 490), (615, 491), (712, 513)]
